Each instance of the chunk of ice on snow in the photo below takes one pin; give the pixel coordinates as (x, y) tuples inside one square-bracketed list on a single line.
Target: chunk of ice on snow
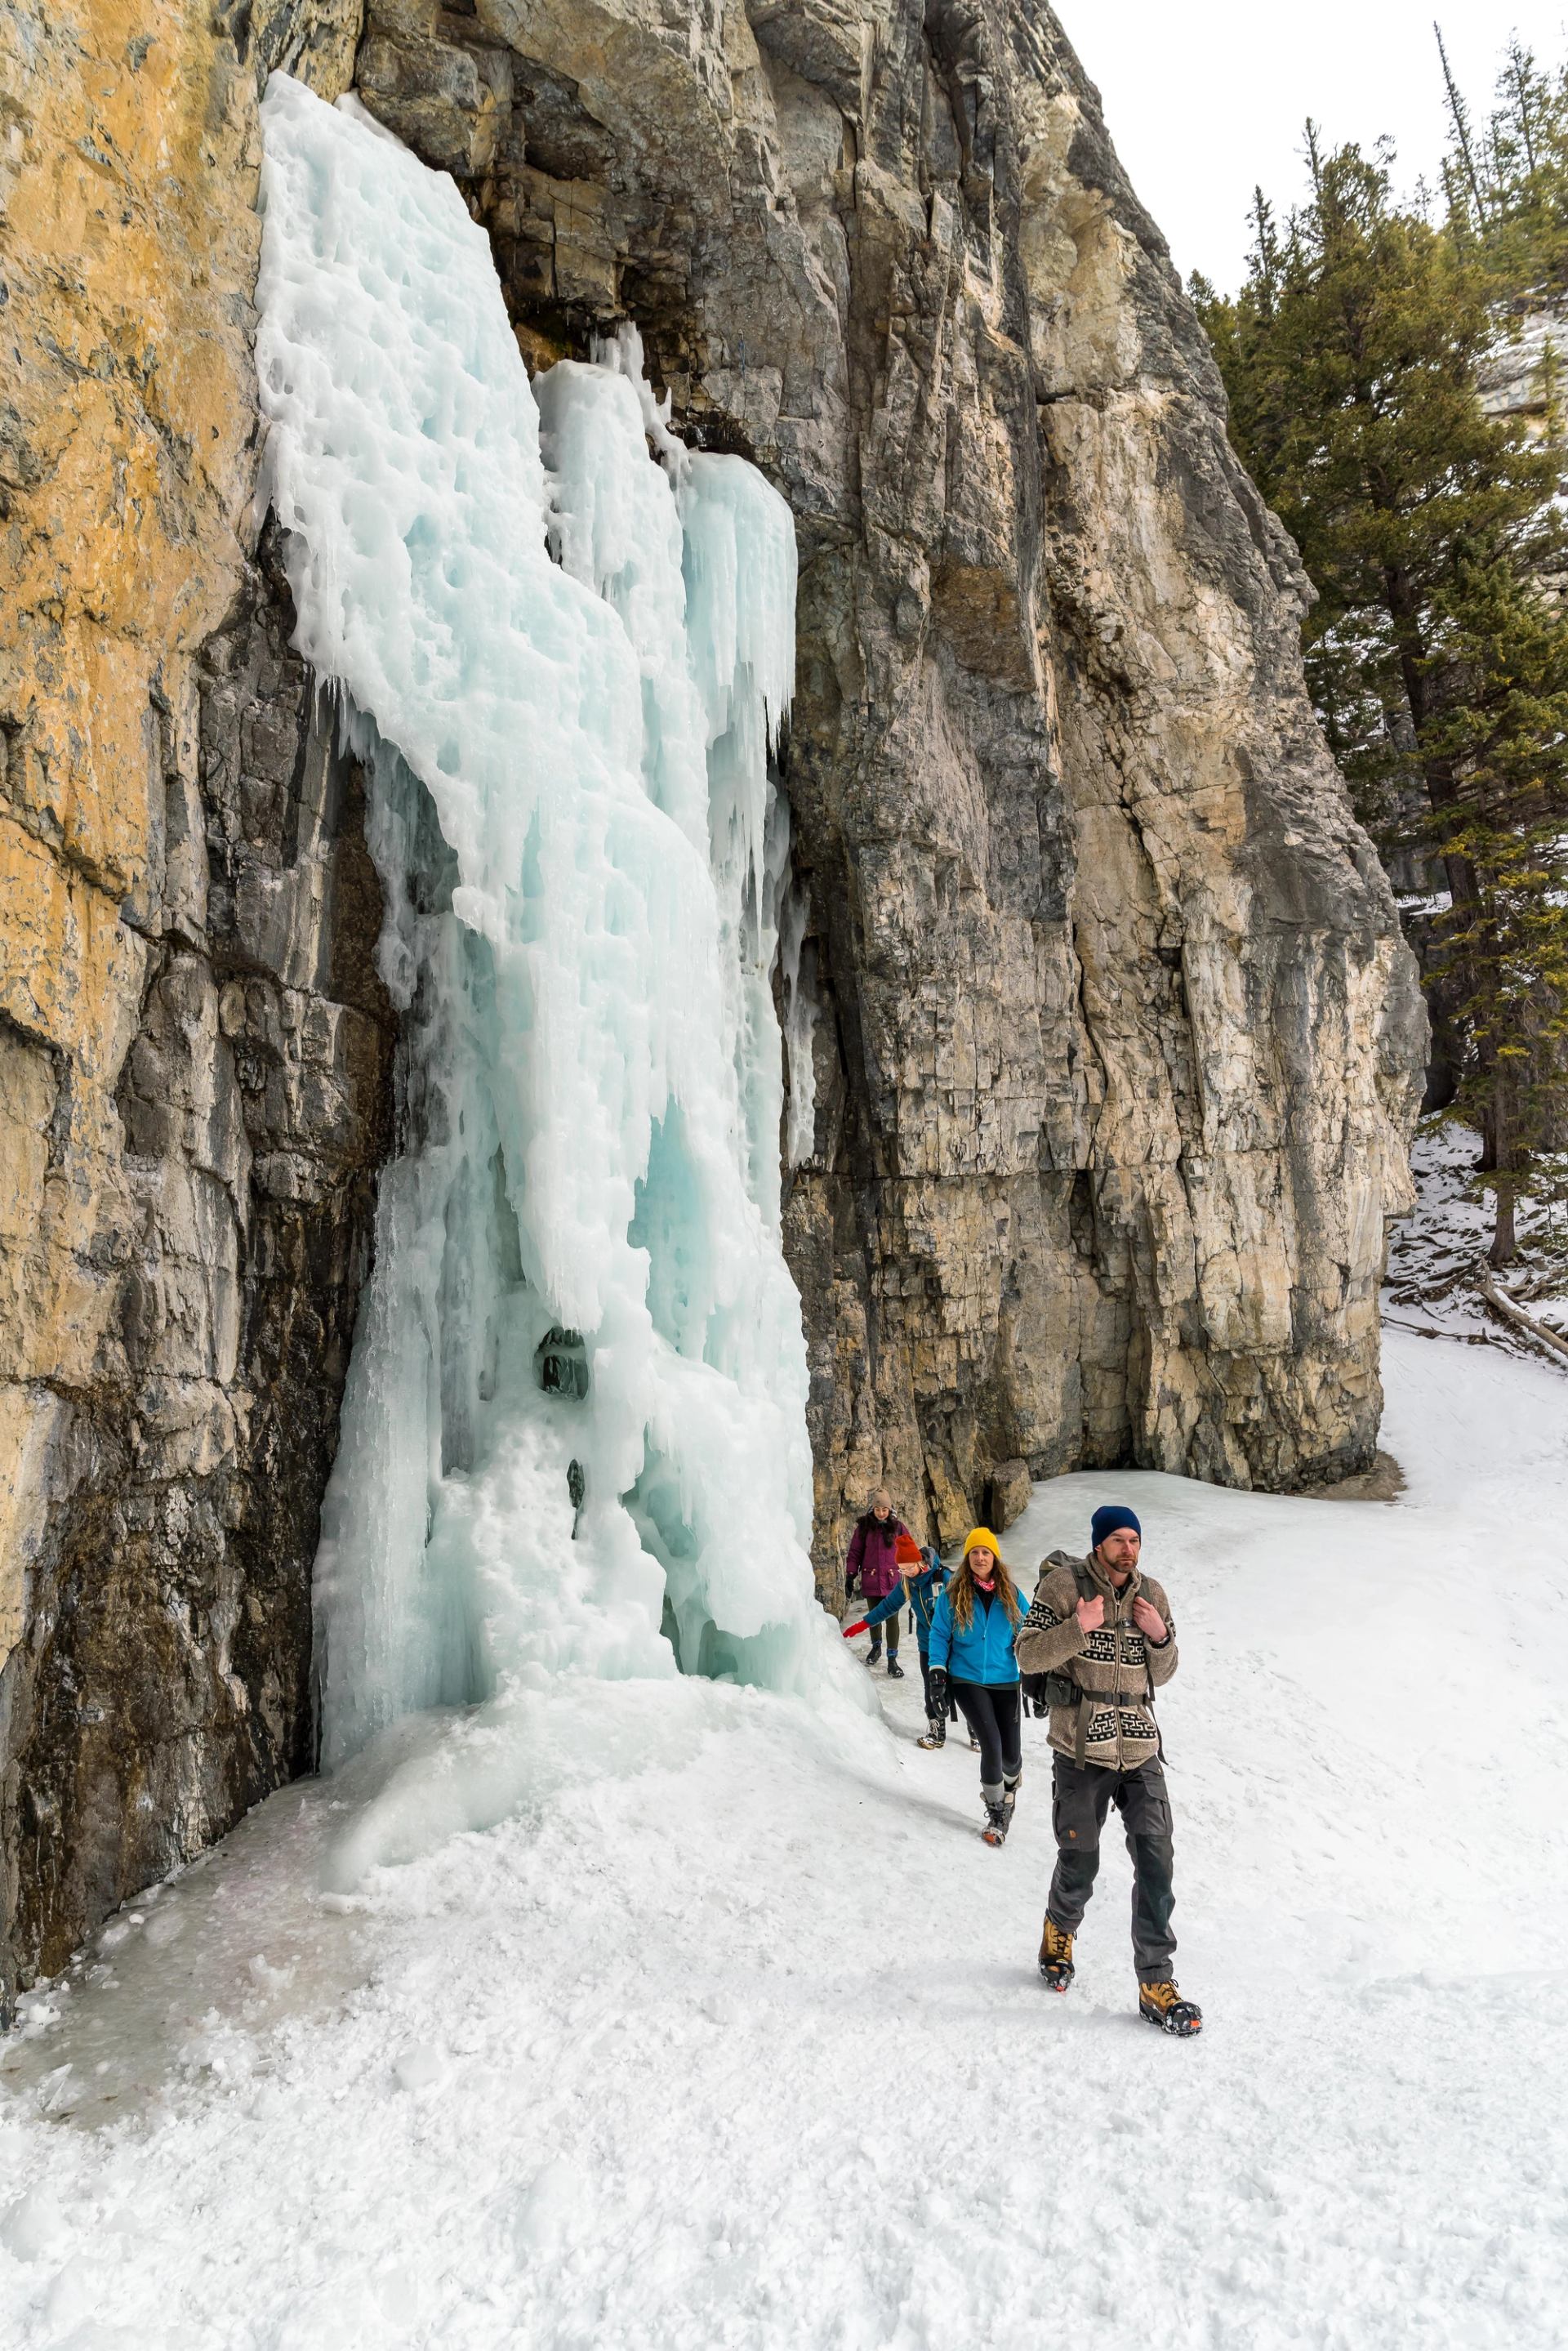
[(556, 2209), (419, 2069), (34, 2227)]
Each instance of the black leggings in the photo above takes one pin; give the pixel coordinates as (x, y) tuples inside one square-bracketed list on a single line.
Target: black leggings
[(990, 1710)]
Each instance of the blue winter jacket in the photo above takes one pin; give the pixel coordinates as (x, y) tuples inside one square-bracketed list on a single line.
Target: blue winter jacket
[(984, 1653), (924, 1591)]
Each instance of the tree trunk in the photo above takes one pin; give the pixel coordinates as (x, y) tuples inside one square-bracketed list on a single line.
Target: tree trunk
[(1405, 609), (1504, 1246)]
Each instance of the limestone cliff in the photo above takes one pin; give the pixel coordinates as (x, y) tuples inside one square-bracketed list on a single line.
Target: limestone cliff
[(1116, 1045), (192, 1039)]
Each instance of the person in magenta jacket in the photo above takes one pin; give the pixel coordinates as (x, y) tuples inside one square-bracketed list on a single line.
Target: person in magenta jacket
[(873, 1561)]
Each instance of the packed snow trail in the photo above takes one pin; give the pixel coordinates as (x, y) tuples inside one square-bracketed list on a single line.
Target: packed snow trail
[(746, 2047), (580, 1369)]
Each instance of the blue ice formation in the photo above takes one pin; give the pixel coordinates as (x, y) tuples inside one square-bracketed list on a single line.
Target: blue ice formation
[(573, 1435)]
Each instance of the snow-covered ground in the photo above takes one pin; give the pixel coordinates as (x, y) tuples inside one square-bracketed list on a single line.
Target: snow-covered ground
[(734, 2036)]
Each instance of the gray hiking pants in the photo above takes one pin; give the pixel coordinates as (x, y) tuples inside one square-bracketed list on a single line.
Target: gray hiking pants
[(1081, 1796)]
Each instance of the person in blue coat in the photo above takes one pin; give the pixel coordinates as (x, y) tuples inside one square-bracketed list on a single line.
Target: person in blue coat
[(974, 1625), (919, 1588)]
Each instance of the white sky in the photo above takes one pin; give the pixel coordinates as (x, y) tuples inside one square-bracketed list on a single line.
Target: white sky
[(1204, 97)]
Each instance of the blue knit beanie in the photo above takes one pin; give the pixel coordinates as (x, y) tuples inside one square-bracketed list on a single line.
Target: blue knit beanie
[(1107, 1518)]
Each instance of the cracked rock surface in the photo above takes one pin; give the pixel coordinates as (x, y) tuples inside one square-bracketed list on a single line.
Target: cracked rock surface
[(1119, 1048), (194, 1047)]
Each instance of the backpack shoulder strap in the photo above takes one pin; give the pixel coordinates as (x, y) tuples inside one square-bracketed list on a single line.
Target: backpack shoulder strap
[(1083, 1576)]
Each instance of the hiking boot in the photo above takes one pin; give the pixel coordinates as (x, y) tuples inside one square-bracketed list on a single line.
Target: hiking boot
[(874, 1655), (936, 1735), (895, 1670), (1163, 2005), (997, 1817), (1056, 1955), (1010, 1793)]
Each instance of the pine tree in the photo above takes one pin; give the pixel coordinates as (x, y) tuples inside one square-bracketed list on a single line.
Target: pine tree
[(1350, 359), (1466, 177), (1438, 668), (1503, 833), (1507, 187)]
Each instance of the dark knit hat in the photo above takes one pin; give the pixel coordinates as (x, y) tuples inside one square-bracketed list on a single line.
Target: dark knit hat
[(1107, 1518)]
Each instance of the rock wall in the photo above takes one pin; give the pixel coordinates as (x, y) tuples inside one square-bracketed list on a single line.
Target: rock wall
[(1119, 1046), (192, 1039), (1116, 1044)]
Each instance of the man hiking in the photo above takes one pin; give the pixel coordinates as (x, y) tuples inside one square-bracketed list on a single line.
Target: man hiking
[(873, 1560), (1102, 1631)]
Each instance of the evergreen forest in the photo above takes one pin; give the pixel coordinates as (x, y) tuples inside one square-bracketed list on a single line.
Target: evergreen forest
[(1393, 370)]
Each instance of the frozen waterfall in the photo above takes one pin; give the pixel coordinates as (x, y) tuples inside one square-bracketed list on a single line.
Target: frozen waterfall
[(574, 1438)]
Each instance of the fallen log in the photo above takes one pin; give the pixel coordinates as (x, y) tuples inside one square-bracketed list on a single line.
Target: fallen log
[(1509, 1312)]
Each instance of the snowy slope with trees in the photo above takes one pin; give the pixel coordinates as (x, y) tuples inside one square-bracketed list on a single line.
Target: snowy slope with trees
[(732, 2035)]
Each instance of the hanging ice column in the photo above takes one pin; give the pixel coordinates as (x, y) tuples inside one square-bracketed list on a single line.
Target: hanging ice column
[(573, 1435)]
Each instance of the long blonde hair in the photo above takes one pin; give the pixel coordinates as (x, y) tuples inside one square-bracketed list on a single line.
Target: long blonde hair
[(961, 1598)]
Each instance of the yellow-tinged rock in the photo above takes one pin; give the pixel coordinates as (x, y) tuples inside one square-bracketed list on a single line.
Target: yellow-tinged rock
[(129, 241)]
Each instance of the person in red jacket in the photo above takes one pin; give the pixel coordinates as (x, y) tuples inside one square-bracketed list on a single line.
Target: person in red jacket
[(873, 1560)]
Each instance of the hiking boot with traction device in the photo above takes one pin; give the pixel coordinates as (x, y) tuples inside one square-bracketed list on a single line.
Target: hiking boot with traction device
[(1056, 1956), (999, 1817), (1163, 2005), (936, 1735)]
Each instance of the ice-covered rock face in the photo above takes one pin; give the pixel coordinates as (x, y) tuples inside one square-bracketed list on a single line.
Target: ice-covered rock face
[(574, 1436)]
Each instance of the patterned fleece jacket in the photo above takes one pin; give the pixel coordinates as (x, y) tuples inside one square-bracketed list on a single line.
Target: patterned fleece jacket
[(1114, 1666)]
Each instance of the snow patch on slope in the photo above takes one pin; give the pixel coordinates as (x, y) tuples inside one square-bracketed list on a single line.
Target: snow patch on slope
[(1438, 1254)]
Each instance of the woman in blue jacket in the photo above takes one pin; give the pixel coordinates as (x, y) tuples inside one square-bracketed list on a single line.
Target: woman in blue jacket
[(922, 1591), (974, 1627)]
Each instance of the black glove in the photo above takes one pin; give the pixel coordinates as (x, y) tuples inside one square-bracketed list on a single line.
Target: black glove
[(939, 1692)]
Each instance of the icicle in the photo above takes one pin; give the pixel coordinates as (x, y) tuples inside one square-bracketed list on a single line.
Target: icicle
[(621, 353)]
